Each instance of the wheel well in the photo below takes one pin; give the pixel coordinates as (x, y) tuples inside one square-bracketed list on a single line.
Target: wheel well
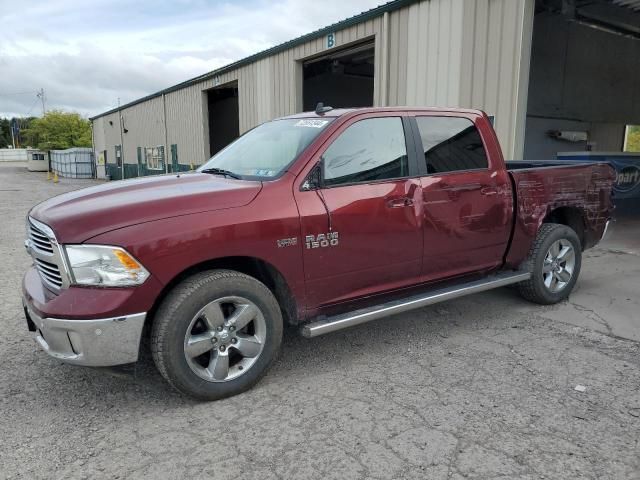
[(572, 217), (254, 267)]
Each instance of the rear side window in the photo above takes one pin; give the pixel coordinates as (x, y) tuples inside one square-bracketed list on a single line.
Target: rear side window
[(451, 144), (369, 150)]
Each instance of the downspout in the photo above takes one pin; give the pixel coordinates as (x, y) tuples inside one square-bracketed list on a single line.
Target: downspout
[(166, 144), (94, 165), (521, 96), (121, 144), (384, 61)]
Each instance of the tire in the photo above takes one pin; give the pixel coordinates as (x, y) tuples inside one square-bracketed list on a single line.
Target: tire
[(552, 276), (193, 335)]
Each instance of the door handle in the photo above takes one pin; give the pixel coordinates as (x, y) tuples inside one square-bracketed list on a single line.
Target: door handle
[(469, 187), (489, 191), (400, 202)]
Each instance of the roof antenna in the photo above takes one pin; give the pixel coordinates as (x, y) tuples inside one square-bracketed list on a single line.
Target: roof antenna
[(321, 109)]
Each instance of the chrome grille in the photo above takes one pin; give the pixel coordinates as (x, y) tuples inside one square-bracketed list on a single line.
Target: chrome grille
[(48, 258), (49, 272), (39, 240)]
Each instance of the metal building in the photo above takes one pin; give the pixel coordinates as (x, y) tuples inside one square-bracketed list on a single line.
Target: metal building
[(466, 53)]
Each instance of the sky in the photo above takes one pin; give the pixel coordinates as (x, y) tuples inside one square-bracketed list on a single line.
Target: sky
[(87, 54)]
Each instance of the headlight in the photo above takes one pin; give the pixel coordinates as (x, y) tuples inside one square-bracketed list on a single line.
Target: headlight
[(104, 266)]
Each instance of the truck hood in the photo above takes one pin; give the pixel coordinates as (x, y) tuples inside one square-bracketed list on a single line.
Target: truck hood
[(80, 215)]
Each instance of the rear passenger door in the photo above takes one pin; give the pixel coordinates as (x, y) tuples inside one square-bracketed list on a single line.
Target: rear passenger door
[(467, 201)]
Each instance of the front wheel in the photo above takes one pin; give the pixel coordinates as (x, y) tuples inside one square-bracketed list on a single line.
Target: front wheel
[(554, 262), (216, 334)]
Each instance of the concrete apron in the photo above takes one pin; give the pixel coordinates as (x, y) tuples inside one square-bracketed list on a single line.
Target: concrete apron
[(607, 295)]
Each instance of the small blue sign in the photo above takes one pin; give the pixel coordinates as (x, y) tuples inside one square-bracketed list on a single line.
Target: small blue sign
[(627, 165), (331, 40)]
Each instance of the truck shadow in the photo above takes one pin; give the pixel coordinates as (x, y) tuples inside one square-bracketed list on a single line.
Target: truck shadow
[(420, 331)]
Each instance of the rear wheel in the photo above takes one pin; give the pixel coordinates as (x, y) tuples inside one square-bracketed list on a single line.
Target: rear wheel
[(216, 334), (554, 262)]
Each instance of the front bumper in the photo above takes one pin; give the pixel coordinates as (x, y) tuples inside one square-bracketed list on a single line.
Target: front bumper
[(96, 343)]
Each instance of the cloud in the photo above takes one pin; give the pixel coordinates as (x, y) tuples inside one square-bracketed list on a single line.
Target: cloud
[(87, 55)]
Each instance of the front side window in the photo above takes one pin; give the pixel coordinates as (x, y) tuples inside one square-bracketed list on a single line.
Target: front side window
[(451, 144), (369, 150), (268, 149)]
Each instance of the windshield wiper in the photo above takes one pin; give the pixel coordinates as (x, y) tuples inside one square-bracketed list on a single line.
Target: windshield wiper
[(221, 171)]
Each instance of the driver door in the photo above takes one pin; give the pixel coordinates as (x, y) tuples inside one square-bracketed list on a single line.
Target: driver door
[(362, 229)]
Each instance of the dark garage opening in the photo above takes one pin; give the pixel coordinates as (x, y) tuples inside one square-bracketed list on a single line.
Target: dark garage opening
[(583, 87), (585, 72), (224, 120), (343, 78)]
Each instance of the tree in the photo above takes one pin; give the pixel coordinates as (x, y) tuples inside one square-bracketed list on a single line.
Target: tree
[(5, 131), (58, 130)]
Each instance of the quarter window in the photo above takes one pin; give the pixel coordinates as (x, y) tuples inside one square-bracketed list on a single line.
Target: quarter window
[(369, 150), (451, 144)]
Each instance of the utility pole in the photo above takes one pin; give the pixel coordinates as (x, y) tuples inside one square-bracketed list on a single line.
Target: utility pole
[(41, 96), (121, 123)]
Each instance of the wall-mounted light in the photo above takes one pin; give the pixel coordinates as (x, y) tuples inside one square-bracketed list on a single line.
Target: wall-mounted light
[(569, 136)]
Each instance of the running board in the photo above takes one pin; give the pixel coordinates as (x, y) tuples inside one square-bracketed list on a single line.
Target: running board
[(338, 322)]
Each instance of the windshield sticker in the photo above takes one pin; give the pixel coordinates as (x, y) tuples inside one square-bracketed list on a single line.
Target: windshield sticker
[(312, 123), (264, 173)]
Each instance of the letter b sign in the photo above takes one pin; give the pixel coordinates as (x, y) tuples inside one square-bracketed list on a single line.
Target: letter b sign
[(331, 40)]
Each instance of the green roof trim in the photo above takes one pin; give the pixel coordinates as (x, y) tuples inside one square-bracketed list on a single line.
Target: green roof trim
[(354, 20)]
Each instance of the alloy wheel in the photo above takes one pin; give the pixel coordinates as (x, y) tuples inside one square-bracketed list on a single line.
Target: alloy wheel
[(558, 266), (224, 339)]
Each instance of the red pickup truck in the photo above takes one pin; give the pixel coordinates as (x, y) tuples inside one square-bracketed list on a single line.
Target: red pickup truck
[(324, 220)]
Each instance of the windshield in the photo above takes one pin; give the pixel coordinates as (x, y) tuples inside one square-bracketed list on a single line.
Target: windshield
[(268, 149)]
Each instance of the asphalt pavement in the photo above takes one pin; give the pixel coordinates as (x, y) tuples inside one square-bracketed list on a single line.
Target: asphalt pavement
[(488, 386)]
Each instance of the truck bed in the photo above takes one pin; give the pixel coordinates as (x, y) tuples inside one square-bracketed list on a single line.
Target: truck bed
[(582, 190)]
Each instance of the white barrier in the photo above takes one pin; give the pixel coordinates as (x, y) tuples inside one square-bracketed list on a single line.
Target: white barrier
[(73, 163)]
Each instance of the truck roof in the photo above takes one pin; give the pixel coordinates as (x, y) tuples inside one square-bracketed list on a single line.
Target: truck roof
[(339, 112)]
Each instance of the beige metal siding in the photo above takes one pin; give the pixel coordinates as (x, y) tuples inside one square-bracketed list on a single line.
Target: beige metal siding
[(271, 87), (99, 144), (426, 41), (111, 135), (98, 134), (185, 124), (494, 71), (459, 53), (145, 125)]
